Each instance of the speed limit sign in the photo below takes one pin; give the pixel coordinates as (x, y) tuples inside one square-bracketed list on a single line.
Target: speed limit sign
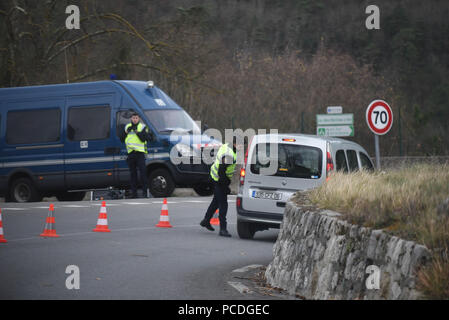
[(379, 117)]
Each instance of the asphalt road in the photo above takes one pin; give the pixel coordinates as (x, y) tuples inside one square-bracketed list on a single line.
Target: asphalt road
[(135, 261)]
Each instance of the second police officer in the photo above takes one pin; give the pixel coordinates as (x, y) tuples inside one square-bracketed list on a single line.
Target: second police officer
[(135, 137), (221, 173)]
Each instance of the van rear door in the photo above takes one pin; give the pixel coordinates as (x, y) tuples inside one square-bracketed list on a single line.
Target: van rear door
[(33, 142), (90, 145), (299, 167)]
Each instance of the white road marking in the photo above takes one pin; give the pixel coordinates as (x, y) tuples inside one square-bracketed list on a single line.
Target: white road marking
[(99, 203), (240, 287), (63, 235), (196, 201), (74, 206), (135, 203)]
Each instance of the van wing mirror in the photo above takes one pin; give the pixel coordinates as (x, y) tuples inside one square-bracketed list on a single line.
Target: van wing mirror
[(151, 136)]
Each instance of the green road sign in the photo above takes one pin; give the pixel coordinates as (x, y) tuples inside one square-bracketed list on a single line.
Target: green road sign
[(335, 125), (336, 131)]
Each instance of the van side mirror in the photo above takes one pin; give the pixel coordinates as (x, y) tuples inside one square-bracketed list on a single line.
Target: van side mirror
[(151, 136)]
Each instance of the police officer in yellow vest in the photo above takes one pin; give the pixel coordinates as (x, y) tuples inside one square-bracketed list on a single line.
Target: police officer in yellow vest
[(221, 173), (135, 137)]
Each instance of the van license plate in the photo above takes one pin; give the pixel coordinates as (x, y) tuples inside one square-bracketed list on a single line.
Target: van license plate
[(267, 195)]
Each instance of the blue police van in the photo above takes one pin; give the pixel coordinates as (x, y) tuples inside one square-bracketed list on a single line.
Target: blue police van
[(63, 140)]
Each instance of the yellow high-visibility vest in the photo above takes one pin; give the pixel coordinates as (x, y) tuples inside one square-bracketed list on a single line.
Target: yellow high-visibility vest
[(132, 141), (223, 151)]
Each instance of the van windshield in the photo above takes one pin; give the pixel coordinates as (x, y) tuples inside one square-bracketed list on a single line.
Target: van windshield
[(293, 161), (167, 121)]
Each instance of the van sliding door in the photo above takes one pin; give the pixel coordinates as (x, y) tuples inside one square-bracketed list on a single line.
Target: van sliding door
[(89, 157)]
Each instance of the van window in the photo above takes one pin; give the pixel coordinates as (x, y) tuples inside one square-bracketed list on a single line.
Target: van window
[(123, 118), (88, 123), (352, 159), (366, 162), (33, 126), (340, 161), (167, 121), (294, 161)]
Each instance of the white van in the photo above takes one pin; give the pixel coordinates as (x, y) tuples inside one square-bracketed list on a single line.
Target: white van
[(303, 162)]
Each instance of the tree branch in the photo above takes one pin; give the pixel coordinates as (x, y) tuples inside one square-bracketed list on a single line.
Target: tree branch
[(85, 37), (115, 65)]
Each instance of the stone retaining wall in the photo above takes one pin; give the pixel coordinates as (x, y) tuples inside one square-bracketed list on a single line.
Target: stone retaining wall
[(319, 256)]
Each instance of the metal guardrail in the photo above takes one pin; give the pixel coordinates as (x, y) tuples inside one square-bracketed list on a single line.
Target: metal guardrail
[(393, 162)]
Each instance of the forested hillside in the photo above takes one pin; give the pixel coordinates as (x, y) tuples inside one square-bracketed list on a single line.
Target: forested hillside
[(250, 64)]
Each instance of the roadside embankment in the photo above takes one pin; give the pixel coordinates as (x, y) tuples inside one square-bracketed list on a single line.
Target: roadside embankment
[(397, 220), (319, 256)]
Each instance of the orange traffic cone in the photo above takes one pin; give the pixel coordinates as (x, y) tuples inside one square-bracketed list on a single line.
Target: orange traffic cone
[(102, 222), (50, 230), (164, 221), (2, 238), (215, 221)]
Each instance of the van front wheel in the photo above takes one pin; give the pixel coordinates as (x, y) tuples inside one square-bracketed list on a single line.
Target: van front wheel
[(23, 190), (161, 183)]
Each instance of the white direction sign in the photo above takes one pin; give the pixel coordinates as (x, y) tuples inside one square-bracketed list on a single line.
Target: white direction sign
[(335, 125), (334, 119), (336, 131), (379, 117)]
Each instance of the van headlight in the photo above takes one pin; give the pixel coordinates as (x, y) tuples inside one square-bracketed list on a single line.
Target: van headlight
[(185, 150)]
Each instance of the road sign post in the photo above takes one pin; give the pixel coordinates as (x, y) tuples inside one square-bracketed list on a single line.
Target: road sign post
[(379, 118), (376, 146)]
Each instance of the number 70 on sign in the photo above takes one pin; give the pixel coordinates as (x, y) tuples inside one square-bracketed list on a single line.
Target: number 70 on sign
[(379, 117)]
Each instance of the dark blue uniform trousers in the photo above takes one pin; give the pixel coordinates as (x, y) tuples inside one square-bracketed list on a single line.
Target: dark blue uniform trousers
[(220, 202), (136, 160)]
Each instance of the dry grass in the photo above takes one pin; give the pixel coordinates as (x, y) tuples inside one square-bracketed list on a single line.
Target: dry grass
[(403, 202), (433, 280)]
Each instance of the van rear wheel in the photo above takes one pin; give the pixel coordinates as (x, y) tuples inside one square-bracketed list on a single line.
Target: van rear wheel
[(161, 183), (245, 230), (23, 190)]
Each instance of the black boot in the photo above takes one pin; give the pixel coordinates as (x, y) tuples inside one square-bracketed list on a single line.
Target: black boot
[(207, 225), (224, 233)]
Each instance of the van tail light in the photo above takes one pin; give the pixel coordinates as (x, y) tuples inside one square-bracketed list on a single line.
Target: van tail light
[(239, 202), (243, 170), (329, 165), (247, 149), (242, 176)]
